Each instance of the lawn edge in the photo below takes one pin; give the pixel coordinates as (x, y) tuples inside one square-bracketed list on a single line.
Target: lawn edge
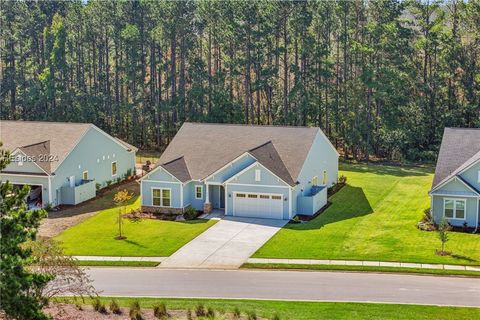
[(366, 269), (119, 264)]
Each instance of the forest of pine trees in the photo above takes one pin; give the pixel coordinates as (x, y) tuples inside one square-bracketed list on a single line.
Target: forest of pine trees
[(381, 77)]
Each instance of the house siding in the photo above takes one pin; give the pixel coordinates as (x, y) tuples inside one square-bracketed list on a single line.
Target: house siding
[(26, 167), (231, 169), (175, 194), (94, 145), (471, 210), (471, 176), (189, 195)]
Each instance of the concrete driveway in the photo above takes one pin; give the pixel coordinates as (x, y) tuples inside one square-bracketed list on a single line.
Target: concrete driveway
[(226, 245)]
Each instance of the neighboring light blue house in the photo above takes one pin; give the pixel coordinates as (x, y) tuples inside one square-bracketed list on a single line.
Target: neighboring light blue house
[(64, 163), (245, 170), (455, 190)]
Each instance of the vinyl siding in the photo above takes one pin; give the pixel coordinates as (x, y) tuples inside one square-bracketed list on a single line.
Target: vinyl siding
[(94, 146), (471, 176), (232, 169), (189, 195), (471, 210), (175, 194), (26, 167)]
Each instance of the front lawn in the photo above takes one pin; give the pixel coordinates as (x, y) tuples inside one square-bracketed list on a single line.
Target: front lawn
[(299, 310), (149, 237), (373, 218)]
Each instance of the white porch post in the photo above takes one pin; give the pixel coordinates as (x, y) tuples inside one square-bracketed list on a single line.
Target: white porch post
[(207, 195), (207, 206)]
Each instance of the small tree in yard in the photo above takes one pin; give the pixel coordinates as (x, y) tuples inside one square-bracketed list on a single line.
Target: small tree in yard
[(442, 230), (121, 199)]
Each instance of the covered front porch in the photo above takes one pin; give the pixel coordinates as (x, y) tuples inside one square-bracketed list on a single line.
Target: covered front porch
[(214, 197)]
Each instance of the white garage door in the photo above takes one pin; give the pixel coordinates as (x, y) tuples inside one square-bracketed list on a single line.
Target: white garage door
[(258, 205)]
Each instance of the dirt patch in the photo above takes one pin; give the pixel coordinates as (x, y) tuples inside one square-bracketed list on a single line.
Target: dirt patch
[(62, 311), (68, 216)]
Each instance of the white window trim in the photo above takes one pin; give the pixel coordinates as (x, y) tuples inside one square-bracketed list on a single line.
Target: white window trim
[(258, 175), (161, 197), (455, 208), (116, 168), (83, 174), (201, 191)]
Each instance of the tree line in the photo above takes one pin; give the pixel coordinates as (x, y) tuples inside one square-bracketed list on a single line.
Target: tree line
[(381, 77)]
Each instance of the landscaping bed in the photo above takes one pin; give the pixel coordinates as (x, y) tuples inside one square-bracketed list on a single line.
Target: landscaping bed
[(265, 309)]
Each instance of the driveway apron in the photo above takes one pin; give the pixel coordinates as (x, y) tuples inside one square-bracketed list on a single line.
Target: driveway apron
[(226, 245)]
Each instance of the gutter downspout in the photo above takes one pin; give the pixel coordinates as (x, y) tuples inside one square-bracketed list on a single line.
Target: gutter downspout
[(476, 226)]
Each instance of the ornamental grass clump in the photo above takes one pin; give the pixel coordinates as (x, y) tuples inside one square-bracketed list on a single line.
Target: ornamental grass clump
[(114, 307), (200, 311), (99, 306), (135, 312), (160, 311)]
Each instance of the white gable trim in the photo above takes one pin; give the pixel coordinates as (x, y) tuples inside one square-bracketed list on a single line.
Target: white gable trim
[(155, 170), (469, 166), (454, 178), (18, 150), (227, 164), (250, 167)]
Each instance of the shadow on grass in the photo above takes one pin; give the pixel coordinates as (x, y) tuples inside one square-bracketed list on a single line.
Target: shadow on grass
[(465, 258), (103, 201), (348, 203), (132, 242), (387, 170)]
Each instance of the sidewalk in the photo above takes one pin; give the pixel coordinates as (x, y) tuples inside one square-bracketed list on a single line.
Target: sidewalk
[(365, 263), (104, 258)]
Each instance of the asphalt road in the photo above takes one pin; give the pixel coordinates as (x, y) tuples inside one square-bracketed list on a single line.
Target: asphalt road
[(287, 285)]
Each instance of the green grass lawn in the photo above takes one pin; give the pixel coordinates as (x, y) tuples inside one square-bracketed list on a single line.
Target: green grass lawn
[(307, 310), (286, 266), (149, 237), (96, 263), (374, 218)]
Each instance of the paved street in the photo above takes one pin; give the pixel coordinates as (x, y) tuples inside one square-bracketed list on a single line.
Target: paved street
[(227, 244), (288, 285)]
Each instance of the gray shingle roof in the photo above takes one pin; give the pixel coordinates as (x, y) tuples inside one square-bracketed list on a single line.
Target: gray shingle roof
[(29, 135), (39, 151), (460, 147), (206, 147), (268, 156), (178, 168)]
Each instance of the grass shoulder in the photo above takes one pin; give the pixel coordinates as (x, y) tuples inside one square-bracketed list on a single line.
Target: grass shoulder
[(103, 263), (318, 267)]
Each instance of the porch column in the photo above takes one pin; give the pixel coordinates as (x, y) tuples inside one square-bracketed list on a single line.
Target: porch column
[(207, 206)]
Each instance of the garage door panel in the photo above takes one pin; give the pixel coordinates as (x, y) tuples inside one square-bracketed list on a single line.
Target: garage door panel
[(258, 205)]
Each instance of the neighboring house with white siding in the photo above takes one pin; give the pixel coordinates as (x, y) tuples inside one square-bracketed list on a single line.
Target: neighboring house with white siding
[(455, 192), (245, 170), (64, 163)]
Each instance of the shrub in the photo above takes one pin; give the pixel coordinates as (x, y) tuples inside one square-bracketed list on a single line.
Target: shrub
[(190, 213), (98, 186), (342, 179), (210, 313), (236, 313), (189, 314), (427, 216), (135, 312), (119, 180), (129, 173), (200, 311), (114, 307), (160, 311), (251, 315), (48, 206), (99, 306), (109, 182)]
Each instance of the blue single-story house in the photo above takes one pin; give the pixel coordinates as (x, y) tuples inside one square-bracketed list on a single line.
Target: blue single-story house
[(64, 163), (455, 190), (246, 170)]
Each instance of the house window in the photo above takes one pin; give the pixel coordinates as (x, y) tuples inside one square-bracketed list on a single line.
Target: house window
[(315, 181), (114, 168), (252, 196), (240, 195), (198, 192), (324, 182), (161, 197), (85, 175), (257, 175), (454, 208), (264, 196), (277, 197), (478, 177)]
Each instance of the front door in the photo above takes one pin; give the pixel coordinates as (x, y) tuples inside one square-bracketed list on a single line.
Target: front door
[(222, 197)]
